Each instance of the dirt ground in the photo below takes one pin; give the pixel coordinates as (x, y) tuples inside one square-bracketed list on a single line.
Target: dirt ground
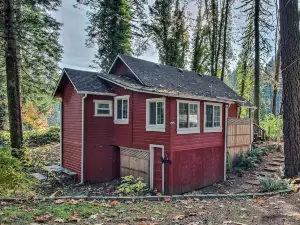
[(281, 210)]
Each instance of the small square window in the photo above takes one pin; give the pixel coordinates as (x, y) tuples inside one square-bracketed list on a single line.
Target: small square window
[(188, 117), (155, 114), (213, 117), (103, 108)]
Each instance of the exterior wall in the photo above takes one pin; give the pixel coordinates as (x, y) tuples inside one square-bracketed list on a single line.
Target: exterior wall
[(71, 129), (102, 160), (233, 111), (197, 159), (134, 134)]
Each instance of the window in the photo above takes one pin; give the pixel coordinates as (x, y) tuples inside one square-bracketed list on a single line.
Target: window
[(213, 117), (103, 108), (188, 119), (122, 109), (155, 114)]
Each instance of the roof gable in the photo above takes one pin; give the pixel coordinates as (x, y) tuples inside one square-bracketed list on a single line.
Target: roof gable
[(169, 78), (83, 82)]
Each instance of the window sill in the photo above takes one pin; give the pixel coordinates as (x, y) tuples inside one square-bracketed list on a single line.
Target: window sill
[(102, 115), (188, 131), (208, 130), (157, 129), (121, 121)]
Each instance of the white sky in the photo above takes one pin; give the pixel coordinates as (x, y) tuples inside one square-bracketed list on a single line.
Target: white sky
[(73, 35)]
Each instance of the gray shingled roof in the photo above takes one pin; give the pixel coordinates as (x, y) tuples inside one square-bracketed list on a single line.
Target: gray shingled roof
[(170, 79), (87, 81)]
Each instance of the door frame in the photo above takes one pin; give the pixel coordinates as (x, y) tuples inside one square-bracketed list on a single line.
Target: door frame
[(152, 146)]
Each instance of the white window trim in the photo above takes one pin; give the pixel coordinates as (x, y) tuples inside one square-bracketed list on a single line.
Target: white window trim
[(160, 127), (192, 130), (121, 121), (103, 102), (213, 129)]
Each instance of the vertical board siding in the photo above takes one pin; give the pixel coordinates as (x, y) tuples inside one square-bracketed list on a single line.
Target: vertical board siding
[(238, 136), (197, 168), (102, 162), (72, 129)]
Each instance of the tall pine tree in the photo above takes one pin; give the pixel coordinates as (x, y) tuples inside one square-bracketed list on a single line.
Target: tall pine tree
[(113, 29), (168, 29)]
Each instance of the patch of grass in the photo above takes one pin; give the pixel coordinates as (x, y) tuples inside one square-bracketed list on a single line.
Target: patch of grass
[(104, 211), (269, 184)]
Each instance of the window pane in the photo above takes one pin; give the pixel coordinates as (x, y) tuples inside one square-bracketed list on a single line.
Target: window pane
[(103, 106), (125, 112), (152, 113), (119, 109), (160, 112), (217, 114), (103, 112), (209, 116), (193, 115), (183, 115)]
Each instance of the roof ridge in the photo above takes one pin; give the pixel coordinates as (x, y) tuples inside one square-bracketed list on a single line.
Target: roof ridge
[(160, 64)]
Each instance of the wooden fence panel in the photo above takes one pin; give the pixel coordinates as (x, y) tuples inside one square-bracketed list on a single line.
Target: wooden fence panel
[(238, 136), (135, 162)]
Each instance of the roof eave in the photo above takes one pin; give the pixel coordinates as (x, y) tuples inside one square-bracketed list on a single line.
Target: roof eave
[(167, 94)]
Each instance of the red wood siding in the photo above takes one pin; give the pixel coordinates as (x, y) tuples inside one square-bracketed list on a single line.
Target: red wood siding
[(197, 159), (195, 168), (102, 160), (71, 129), (134, 134), (194, 141), (233, 111)]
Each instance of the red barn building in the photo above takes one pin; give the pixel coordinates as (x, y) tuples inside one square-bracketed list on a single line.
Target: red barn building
[(162, 123)]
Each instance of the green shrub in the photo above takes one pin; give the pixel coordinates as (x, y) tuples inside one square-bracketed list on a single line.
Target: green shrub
[(42, 137), (131, 186), (4, 138), (273, 126), (269, 184), (228, 161), (13, 179), (34, 138), (246, 162)]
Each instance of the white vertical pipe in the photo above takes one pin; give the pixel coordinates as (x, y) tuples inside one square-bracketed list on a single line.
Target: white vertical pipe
[(225, 139), (82, 138)]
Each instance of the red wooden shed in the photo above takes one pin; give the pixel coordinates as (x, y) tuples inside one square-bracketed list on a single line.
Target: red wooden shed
[(164, 124)]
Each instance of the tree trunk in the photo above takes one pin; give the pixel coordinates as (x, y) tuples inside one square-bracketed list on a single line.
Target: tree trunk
[(214, 12), (243, 81), (256, 62), (225, 40), (276, 81), (290, 70), (13, 78), (219, 39)]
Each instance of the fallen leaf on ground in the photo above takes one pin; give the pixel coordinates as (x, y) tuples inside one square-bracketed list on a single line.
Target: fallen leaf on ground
[(74, 219), (142, 218), (167, 199), (232, 223), (259, 201), (93, 217), (114, 203), (192, 214), (178, 217), (60, 201), (8, 220), (26, 208), (59, 220), (42, 218)]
